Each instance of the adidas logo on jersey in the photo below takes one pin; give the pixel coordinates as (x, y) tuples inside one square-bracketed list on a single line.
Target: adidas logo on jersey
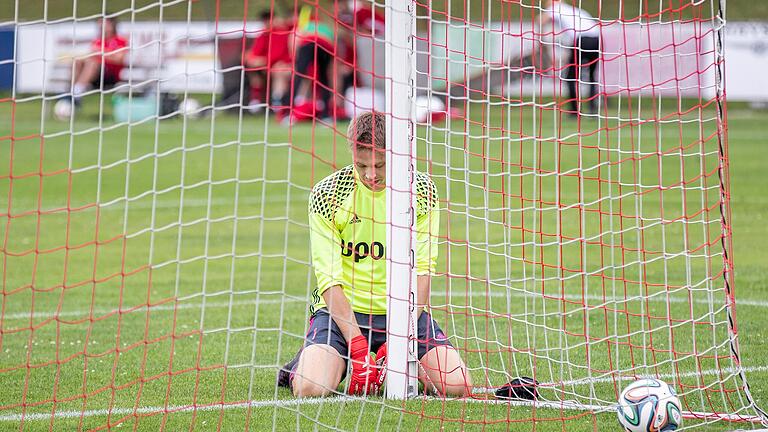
[(355, 219)]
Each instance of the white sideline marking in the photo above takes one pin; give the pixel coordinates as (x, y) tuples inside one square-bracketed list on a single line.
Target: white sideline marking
[(294, 402), (172, 409), (218, 305)]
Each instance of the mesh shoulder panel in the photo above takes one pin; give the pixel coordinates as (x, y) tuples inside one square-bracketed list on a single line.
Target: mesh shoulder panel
[(426, 194), (330, 192)]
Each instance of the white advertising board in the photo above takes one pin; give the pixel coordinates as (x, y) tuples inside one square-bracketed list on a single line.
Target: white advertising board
[(746, 61), (182, 55), (666, 59), (662, 59)]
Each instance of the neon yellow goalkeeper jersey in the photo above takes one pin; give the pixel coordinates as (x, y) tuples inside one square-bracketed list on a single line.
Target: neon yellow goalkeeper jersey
[(348, 235)]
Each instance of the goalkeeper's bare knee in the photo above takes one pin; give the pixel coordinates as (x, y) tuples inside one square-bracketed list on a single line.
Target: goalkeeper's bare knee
[(445, 373), (318, 372), (457, 385), (305, 388)]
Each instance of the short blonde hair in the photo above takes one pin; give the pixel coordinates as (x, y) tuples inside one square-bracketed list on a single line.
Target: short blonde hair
[(367, 131)]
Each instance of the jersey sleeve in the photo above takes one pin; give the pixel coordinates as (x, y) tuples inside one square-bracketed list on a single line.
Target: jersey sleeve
[(427, 225), (325, 239), (325, 242)]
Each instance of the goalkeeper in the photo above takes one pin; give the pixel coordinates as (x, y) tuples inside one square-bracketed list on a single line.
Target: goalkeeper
[(346, 217)]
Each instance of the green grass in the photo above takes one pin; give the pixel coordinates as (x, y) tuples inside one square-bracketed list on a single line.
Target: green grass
[(208, 10), (228, 279)]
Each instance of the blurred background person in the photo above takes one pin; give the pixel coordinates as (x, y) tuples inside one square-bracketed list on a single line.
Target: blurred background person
[(270, 61), (313, 66), (102, 67), (313, 76), (362, 24), (367, 19), (578, 31), (327, 59)]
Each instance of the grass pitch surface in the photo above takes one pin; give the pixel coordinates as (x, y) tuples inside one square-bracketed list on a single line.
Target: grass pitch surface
[(166, 264)]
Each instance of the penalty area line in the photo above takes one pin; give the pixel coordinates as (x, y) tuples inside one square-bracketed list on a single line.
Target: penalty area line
[(47, 314)]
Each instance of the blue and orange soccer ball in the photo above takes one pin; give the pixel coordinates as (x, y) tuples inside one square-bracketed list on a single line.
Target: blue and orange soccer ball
[(649, 405)]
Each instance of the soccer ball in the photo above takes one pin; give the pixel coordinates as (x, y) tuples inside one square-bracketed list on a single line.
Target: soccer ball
[(189, 107), (649, 405), (62, 110)]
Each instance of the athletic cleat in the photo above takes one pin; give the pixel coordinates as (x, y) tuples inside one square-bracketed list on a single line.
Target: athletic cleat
[(523, 388), (285, 374)]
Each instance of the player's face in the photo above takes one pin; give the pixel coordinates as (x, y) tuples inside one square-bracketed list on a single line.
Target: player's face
[(371, 167), (108, 27)]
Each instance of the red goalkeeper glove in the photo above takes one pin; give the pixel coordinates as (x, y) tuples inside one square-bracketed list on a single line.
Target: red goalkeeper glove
[(365, 375), (381, 363)]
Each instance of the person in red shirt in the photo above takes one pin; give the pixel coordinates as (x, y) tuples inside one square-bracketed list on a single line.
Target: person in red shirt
[(101, 68), (368, 18), (360, 19), (270, 60), (316, 43)]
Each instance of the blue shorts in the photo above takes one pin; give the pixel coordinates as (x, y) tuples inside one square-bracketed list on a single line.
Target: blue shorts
[(323, 330)]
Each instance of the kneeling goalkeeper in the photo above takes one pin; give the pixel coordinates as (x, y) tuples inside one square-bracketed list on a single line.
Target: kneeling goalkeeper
[(347, 212)]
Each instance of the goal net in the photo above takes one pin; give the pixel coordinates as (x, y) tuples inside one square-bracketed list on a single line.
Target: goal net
[(154, 233)]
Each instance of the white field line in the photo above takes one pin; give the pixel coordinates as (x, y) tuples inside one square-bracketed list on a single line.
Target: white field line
[(40, 315), (145, 203), (171, 409), (727, 371), (572, 405)]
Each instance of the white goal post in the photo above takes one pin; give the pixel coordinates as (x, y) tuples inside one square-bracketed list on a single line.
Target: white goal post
[(402, 363)]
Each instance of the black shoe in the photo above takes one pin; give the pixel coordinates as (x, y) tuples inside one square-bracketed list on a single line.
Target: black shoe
[(519, 388), (284, 375)]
